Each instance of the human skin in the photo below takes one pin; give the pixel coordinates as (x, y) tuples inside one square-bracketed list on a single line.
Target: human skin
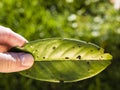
[(13, 61)]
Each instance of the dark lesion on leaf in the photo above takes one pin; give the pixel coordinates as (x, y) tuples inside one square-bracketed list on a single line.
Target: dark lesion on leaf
[(43, 57), (79, 45), (53, 47), (61, 81), (88, 69), (36, 50), (99, 48), (78, 57), (37, 56), (66, 57), (73, 47), (88, 63), (91, 50)]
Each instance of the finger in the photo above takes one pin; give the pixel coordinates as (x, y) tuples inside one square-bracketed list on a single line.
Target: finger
[(4, 48), (10, 38), (14, 62)]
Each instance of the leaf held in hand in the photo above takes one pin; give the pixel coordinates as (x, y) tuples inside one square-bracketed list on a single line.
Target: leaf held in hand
[(65, 60)]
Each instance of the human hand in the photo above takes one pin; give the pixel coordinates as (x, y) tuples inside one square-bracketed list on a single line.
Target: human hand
[(11, 61)]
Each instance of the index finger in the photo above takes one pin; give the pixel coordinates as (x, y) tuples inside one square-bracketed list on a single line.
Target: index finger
[(10, 38)]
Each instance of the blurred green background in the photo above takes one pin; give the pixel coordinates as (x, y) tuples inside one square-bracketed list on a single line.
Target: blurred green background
[(94, 21)]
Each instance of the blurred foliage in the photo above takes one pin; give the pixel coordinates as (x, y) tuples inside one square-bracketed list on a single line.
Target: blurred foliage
[(90, 20)]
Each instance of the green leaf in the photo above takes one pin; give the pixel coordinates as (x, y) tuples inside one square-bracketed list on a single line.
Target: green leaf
[(65, 60)]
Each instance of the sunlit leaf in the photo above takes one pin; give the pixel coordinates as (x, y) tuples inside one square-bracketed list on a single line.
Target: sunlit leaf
[(65, 60)]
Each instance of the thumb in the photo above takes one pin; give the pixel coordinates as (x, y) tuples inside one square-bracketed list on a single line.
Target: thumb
[(14, 62)]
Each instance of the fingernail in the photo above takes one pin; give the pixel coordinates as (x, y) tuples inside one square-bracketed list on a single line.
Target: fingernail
[(27, 60)]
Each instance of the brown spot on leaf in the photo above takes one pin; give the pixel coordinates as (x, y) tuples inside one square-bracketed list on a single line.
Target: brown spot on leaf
[(37, 56), (98, 48), (66, 57), (88, 69), (43, 57), (91, 50), (54, 47), (73, 47), (79, 46), (61, 81), (78, 57), (88, 63)]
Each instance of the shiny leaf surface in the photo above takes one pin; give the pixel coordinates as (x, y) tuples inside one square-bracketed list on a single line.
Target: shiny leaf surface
[(65, 60)]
